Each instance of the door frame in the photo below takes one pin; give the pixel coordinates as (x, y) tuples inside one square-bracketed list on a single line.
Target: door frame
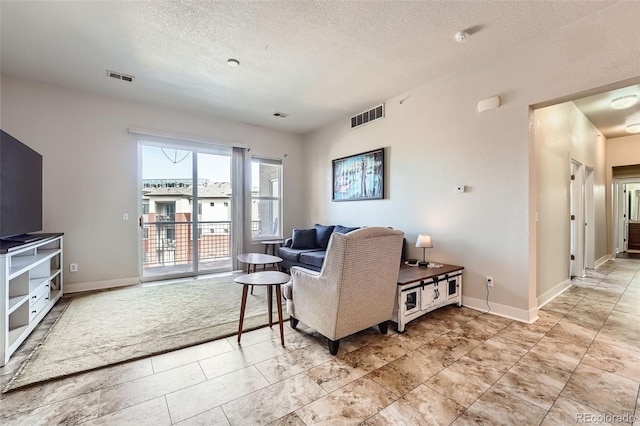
[(582, 228), (620, 221)]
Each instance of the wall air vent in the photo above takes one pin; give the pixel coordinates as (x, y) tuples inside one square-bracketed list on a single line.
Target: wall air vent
[(280, 114), (120, 76), (367, 116)]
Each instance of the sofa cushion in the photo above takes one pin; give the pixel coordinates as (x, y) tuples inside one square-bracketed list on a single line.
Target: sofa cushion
[(339, 229), (304, 239), (314, 258), (293, 255), (323, 233)]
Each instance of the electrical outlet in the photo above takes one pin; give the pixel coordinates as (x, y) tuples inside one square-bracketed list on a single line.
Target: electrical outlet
[(73, 267), (489, 281)]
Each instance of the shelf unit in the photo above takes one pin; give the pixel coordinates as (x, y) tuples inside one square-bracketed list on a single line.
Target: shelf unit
[(30, 284)]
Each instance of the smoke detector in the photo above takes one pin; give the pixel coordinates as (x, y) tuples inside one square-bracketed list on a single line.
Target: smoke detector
[(461, 36)]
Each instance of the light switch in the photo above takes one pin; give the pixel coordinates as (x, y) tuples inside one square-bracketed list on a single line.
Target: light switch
[(125, 216)]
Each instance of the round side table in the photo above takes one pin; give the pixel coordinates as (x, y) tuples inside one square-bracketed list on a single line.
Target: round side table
[(269, 279), (254, 259), (272, 246)]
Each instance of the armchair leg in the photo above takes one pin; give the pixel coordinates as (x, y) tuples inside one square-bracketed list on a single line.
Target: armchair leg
[(293, 322), (333, 346), (383, 327)]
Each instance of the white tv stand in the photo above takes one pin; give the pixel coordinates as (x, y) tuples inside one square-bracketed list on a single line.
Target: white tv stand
[(30, 284)]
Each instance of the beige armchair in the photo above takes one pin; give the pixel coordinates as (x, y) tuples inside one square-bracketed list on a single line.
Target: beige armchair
[(355, 289)]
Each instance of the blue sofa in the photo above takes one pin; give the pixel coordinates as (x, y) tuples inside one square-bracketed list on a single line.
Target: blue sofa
[(308, 247)]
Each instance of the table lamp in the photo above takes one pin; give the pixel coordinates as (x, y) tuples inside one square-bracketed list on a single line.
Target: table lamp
[(424, 241)]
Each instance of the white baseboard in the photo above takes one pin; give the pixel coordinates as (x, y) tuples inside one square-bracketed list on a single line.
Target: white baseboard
[(501, 310), (603, 259), (551, 294), (100, 285)]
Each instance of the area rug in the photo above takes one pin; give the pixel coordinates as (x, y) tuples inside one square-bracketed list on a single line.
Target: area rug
[(114, 326)]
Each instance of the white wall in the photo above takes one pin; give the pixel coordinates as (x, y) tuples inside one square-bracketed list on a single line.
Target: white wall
[(623, 151), (563, 133), (437, 139), (91, 165)]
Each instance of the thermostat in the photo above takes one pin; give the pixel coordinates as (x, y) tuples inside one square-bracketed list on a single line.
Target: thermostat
[(459, 188)]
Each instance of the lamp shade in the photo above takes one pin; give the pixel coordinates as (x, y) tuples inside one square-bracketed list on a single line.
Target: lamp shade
[(424, 241)]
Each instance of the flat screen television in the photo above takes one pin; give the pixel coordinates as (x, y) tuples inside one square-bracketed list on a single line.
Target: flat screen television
[(20, 190)]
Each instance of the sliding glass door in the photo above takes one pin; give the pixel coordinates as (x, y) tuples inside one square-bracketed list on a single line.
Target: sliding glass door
[(186, 205)]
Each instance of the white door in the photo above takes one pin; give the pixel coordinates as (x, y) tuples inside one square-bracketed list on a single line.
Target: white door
[(572, 217), (577, 220), (589, 222), (625, 218), (618, 216)]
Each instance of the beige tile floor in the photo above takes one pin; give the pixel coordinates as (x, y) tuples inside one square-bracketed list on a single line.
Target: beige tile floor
[(579, 363)]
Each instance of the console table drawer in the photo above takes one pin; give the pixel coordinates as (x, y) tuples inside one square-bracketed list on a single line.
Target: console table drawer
[(37, 307), (39, 293)]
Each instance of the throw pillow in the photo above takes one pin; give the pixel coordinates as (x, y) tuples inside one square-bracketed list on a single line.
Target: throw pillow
[(304, 239), (343, 229), (323, 233)]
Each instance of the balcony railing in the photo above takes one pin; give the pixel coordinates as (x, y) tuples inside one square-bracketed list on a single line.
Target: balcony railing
[(167, 244)]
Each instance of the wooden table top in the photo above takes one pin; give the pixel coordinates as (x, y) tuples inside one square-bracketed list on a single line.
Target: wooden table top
[(263, 278), (409, 274), (258, 258)]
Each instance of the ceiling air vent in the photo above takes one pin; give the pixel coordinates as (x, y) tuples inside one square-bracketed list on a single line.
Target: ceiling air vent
[(120, 76), (367, 116), (280, 114)]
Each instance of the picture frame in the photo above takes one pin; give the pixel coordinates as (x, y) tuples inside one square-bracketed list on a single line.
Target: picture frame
[(359, 177)]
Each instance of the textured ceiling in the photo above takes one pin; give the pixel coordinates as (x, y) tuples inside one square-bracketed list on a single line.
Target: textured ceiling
[(318, 61)]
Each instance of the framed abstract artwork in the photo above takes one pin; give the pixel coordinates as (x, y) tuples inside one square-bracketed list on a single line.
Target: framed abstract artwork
[(359, 177)]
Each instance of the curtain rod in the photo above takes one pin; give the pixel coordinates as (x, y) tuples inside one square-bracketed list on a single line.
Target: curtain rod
[(182, 137)]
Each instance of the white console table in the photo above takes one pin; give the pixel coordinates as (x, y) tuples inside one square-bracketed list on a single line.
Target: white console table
[(421, 290), (30, 284)]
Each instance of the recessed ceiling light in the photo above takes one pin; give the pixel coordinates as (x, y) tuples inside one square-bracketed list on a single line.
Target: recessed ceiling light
[(233, 63), (462, 35), (624, 102), (633, 128)]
